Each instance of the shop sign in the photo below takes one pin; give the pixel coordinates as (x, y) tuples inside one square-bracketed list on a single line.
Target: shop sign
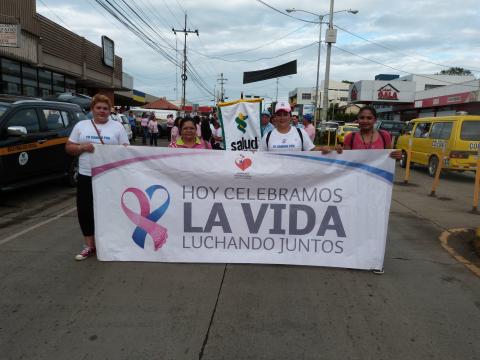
[(387, 92), (10, 35), (108, 51)]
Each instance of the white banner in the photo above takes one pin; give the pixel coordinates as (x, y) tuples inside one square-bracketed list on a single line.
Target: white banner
[(299, 208), (241, 124)]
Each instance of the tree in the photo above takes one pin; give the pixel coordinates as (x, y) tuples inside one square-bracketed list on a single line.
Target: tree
[(455, 71)]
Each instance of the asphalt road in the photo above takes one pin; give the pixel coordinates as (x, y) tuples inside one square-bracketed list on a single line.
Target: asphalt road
[(425, 306)]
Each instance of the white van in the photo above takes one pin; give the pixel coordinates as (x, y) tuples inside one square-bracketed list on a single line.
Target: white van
[(159, 114)]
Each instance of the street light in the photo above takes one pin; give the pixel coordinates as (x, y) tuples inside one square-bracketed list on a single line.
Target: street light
[(320, 18)]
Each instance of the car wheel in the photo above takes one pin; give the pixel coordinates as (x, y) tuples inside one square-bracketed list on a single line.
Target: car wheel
[(432, 165), (73, 173), (403, 160)]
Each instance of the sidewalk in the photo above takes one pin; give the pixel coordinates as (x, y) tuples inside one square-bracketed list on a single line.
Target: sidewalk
[(451, 206), (449, 210)]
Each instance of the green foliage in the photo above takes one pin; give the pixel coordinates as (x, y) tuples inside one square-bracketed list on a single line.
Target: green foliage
[(455, 71)]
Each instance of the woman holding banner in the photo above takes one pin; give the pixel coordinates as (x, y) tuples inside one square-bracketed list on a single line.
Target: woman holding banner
[(285, 137), (368, 138), (99, 130), (188, 137)]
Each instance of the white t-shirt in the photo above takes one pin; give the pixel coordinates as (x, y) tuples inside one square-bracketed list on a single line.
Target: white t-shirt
[(286, 142), (112, 133)]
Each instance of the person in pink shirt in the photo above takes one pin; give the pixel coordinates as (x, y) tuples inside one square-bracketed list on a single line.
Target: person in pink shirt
[(188, 137), (153, 130), (308, 127), (368, 138), (175, 131)]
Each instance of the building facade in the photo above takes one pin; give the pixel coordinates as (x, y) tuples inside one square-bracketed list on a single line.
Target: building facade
[(50, 59), (415, 96), (304, 97)]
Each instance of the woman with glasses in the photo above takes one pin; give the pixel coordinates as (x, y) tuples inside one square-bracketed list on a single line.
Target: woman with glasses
[(368, 138), (188, 137)]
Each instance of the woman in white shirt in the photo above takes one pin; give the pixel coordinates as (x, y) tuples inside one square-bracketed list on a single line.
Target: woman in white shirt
[(217, 135), (99, 130), (285, 137)]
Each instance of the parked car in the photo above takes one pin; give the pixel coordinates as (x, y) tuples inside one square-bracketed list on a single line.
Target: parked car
[(343, 130), (456, 138), (33, 134), (122, 119), (329, 126), (391, 126), (81, 100)]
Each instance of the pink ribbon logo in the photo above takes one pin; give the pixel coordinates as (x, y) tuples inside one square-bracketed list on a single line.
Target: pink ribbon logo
[(146, 221)]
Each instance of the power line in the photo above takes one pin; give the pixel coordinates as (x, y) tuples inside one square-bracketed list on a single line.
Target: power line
[(210, 69), (55, 14), (360, 37), (286, 14), (184, 74), (142, 19), (264, 58), (171, 12), (222, 90), (218, 57), (192, 69), (394, 49), (403, 71), (122, 16)]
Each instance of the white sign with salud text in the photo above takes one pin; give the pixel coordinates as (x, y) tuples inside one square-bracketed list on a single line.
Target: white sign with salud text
[(298, 208), (241, 124)]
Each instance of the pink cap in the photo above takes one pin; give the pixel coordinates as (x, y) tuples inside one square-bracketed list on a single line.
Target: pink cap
[(283, 105)]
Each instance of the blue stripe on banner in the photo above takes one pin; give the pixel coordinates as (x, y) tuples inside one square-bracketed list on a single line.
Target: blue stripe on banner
[(373, 170)]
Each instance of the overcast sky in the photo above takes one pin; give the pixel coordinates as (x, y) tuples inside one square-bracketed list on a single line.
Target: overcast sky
[(413, 36)]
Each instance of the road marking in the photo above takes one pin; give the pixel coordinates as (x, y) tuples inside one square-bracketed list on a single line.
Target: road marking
[(14, 236), (444, 242)]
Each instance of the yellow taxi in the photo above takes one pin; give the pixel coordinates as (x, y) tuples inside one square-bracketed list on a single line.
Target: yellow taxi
[(456, 138), (344, 130)]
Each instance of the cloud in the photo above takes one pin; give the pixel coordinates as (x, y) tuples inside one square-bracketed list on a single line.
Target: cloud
[(418, 33)]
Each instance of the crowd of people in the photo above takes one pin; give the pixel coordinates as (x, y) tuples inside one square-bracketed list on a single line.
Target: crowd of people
[(280, 132)]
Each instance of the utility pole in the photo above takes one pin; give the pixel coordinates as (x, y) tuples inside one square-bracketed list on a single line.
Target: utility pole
[(330, 38), (184, 67), (276, 94), (222, 80), (176, 68)]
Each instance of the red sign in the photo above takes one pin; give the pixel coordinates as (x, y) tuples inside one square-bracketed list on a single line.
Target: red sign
[(449, 99), (387, 92), (354, 94)]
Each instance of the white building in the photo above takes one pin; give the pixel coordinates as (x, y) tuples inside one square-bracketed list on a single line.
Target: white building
[(337, 94), (416, 96), (427, 81)]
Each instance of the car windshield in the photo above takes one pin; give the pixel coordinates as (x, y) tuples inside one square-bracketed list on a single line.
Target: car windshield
[(470, 131), (81, 116), (331, 125), (3, 108), (392, 125)]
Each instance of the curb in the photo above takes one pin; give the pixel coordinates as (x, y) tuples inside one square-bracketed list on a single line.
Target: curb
[(444, 237)]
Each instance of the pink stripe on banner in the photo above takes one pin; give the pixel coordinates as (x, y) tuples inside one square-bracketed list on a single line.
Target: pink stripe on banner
[(103, 168)]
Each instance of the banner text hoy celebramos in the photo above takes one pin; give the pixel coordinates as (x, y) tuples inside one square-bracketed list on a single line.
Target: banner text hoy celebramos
[(281, 220)]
